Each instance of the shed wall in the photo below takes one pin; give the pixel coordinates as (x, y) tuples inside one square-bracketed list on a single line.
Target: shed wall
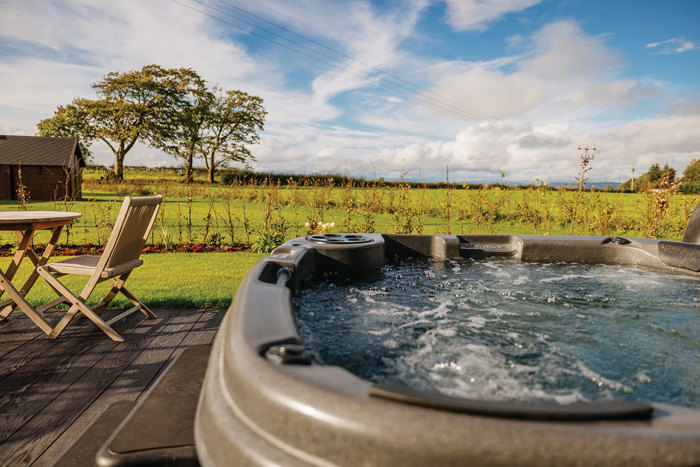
[(44, 183)]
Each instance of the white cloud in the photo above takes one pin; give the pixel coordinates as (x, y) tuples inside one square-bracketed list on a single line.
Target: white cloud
[(672, 46), (371, 40), (495, 94), (549, 151), (566, 67), (475, 15), (619, 94), (562, 51)]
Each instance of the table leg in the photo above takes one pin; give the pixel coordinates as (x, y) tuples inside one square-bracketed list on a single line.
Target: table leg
[(14, 294), (29, 251), (24, 241)]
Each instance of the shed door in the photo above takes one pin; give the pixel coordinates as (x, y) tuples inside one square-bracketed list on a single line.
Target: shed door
[(13, 182), (5, 182)]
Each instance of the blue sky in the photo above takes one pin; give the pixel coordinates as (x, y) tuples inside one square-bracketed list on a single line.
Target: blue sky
[(392, 87)]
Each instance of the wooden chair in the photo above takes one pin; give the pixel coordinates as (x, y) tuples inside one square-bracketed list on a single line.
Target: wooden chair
[(120, 257)]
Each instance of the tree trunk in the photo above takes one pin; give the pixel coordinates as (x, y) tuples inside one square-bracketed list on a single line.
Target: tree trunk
[(189, 158), (211, 168), (118, 172), (188, 171)]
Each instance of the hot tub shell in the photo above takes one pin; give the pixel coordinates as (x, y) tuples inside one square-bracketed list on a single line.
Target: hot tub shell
[(263, 402)]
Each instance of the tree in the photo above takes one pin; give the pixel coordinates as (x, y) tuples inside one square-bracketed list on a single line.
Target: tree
[(668, 173), (69, 121), (692, 172), (232, 122), (181, 125), (654, 174), (654, 177), (128, 107)]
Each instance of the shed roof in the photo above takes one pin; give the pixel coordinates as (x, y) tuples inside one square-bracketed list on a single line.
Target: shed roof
[(38, 150)]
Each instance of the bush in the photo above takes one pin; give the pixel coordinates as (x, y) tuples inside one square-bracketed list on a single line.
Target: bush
[(689, 188), (229, 177)]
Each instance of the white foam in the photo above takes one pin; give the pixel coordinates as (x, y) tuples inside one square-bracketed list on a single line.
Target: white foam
[(390, 344), (477, 322), (600, 380), (439, 312), (643, 376)]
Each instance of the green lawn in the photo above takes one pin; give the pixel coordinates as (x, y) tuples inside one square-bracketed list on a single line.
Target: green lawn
[(171, 280)]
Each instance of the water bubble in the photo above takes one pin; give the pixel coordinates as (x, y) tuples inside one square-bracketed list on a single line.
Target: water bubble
[(507, 330)]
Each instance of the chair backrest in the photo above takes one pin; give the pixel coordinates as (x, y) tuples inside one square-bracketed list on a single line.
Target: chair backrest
[(131, 229)]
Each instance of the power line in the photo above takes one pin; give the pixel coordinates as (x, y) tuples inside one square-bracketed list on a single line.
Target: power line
[(313, 54), (484, 115), (392, 86)]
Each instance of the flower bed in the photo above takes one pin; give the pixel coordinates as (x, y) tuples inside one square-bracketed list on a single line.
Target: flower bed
[(9, 249)]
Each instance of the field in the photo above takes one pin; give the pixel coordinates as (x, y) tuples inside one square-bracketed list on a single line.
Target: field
[(264, 214), (258, 215)]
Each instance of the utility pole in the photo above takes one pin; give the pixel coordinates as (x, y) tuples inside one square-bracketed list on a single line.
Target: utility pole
[(633, 177)]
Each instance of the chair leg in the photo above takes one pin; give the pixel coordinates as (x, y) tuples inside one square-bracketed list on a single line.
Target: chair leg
[(118, 287), (78, 306), (117, 284), (67, 318), (144, 309)]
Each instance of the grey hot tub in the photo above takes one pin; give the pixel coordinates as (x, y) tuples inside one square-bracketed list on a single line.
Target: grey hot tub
[(264, 403)]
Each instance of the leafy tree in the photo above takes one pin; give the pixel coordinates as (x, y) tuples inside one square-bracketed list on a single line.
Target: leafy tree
[(668, 173), (651, 179), (692, 172), (232, 122), (129, 105), (654, 174), (69, 121), (170, 108), (181, 125)]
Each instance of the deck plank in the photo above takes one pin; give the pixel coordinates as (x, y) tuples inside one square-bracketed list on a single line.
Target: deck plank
[(77, 377), (15, 332), (50, 366), (187, 328), (36, 343), (203, 332), (48, 418)]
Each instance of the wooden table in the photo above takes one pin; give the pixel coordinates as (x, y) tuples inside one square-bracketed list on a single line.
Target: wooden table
[(24, 224)]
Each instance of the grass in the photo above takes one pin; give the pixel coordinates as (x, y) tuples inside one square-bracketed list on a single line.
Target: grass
[(473, 211), (169, 280)]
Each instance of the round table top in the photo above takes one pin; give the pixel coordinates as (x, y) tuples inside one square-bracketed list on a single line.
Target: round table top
[(22, 217)]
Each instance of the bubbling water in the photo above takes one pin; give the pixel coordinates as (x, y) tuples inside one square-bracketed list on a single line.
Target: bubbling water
[(506, 330)]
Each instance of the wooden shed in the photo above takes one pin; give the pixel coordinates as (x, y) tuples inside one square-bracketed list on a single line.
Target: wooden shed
[(50, 168)]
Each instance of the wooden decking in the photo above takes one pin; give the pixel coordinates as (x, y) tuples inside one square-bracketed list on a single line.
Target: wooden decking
[(52, 390)]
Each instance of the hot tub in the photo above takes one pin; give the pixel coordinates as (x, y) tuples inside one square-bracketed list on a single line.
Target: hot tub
[(265, 401)]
